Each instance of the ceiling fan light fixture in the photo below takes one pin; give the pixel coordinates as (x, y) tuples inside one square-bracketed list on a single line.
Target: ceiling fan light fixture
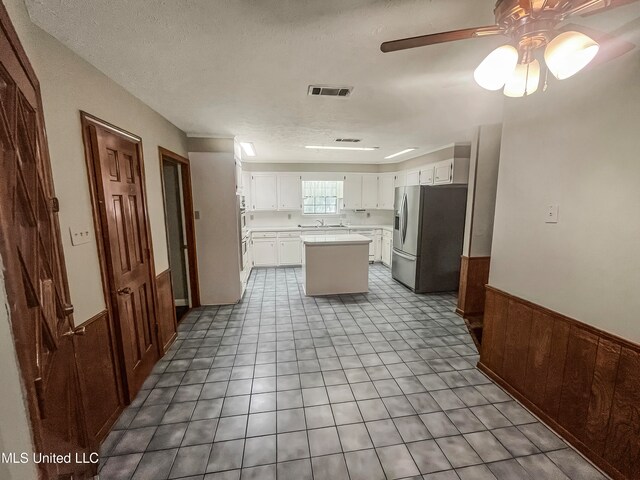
[(497, 68), (569, 53), (524, 80)]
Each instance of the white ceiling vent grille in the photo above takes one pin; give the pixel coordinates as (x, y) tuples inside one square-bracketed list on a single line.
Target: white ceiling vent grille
[(348, 140), (329, 91)]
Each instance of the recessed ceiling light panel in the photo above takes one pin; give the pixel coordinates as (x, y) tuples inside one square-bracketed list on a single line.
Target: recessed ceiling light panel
[(248, 149), (407, 150)]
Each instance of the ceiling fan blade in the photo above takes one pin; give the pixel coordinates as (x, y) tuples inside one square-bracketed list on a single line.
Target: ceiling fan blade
[(424, 40), (591, 7), (611, 46)]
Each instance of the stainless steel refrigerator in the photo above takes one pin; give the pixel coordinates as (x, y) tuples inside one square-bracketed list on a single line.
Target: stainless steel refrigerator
[(428, 233)]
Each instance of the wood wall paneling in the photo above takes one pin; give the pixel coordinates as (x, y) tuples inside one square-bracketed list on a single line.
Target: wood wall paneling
[(576, 384), (622, 446), (167, 326), (538, 356), (602, 391), (474, 275), (516, 343), (583, 382), (99, 376)]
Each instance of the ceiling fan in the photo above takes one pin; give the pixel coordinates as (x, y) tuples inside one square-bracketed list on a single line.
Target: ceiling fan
[(531, 26)]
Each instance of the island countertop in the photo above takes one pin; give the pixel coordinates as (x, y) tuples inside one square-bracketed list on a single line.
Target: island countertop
[(333, 240)]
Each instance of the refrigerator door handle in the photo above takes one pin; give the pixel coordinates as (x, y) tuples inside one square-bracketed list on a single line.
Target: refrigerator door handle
[(403, 255), (401, 217), (405, 219)]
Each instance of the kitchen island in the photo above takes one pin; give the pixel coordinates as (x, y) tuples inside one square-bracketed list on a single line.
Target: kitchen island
[(335, 264)]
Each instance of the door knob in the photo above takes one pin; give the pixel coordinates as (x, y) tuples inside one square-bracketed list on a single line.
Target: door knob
[(77, 331), (124, 291)]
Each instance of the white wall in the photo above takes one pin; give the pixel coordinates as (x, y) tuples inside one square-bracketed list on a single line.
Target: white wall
[(481, 200), (69, 84), (217, 234), (15, 432), (576, 145)]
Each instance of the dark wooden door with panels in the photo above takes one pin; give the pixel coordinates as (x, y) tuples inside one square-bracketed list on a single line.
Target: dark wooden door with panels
[(44, 331), (116, 171)]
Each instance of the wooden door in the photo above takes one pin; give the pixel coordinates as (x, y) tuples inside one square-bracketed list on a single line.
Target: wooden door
[(119, 182), (34, 268)]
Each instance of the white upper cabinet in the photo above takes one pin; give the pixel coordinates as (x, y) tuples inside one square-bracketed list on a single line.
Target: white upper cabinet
[(426, 175), (413, 178), (289, 192), (370, 191), (246, 189), (400, 179), (264, 191), (443, 172), (239, 183), (352, 192), (386, 191), (454, 170)]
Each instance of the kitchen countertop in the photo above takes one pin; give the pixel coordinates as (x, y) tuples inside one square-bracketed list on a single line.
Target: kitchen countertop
[(333, 240), (298, 229)]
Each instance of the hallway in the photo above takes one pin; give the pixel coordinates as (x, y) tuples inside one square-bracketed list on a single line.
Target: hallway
[(358, 387)]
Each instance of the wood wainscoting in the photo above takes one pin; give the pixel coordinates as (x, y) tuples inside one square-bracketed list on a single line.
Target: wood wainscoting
[(100, 376), (474, 275), (582, 381), (167, 324)]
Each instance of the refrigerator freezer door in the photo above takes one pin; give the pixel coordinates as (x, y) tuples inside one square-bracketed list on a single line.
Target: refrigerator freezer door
[(411, 221), (398, 206), (403, 268)]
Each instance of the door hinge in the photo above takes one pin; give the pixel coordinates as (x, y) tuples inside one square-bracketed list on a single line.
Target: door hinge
[(55, 205)]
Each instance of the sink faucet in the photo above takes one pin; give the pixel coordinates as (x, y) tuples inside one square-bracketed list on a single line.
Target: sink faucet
[(321, 222)]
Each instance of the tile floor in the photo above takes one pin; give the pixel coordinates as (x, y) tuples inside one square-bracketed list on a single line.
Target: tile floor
[(359, 387)]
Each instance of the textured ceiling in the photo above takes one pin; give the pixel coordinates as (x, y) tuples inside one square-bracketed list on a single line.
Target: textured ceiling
[(242, 67)]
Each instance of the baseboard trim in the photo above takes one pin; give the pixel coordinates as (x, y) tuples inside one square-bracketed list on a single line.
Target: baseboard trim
[(582, 381)]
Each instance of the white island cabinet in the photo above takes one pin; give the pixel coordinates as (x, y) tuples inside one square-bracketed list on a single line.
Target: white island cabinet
[(335, 264)]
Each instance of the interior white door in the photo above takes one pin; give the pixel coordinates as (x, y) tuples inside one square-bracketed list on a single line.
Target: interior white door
[(289, 192), (352, 192), (370, 191), (264, 191)]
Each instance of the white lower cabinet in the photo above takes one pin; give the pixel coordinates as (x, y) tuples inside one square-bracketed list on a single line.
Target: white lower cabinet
[(284, 248), (289, 251), (385, 254), (265, 249)]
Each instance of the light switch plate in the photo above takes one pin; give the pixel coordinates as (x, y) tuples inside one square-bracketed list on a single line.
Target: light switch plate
[(80, 236), (552, 214)]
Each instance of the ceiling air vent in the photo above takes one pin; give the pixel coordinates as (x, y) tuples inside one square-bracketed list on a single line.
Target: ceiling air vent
[(329, 91), (348, 140)]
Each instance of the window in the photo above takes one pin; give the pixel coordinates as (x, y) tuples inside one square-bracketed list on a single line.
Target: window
[(321, 197)]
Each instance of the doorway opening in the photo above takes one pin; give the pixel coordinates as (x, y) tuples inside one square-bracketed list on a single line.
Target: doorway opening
[(180, 229)]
